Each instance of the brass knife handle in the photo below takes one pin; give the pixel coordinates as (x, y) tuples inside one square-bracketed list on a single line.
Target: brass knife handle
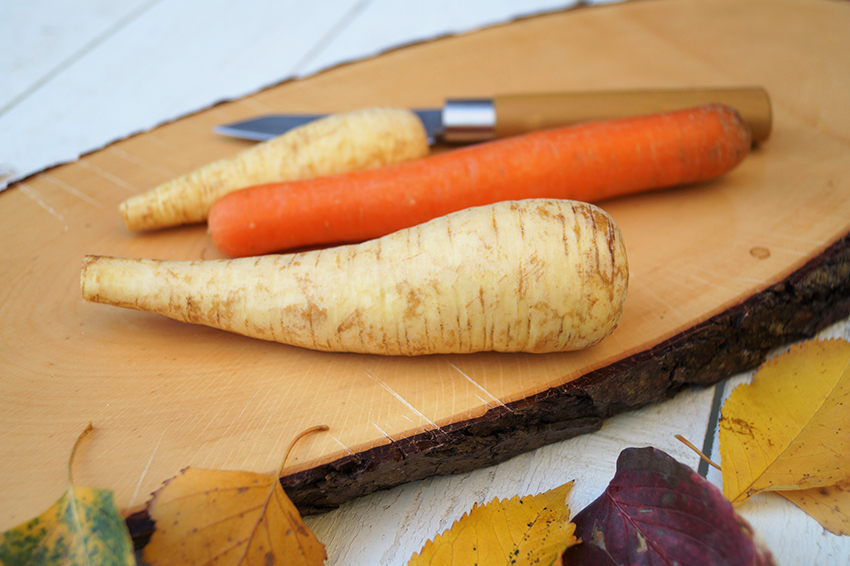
[(519, 113)]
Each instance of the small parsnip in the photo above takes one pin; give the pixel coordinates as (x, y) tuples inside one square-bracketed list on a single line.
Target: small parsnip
[(339, 143)]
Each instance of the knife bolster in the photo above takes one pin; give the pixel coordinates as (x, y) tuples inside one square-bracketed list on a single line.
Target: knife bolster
[(470, 120)]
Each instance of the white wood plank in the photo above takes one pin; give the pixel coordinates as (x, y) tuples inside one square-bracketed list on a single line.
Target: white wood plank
[(388, 527), (393, 23), (40, 38)]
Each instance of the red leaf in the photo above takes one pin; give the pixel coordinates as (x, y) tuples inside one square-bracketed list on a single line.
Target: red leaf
[(657, 511)]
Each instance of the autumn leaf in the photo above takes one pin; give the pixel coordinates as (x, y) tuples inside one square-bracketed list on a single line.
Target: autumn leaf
[(790, 428), (527, 530), (829, 505), (658, 511), (229, 517), (82, 527)]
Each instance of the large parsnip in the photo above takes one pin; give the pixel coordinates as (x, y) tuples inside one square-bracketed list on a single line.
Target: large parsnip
[(339, 143), (518, 276)]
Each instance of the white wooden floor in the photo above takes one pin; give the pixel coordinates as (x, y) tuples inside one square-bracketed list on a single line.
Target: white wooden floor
[(76, 75)]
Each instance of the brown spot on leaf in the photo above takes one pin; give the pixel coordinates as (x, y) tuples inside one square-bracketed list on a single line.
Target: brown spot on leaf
[(739, 426), (597, 538)]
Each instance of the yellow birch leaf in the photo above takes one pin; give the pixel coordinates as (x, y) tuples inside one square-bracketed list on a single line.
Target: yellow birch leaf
[(229, 517), (790, 428), (829, 505), (527, 530), (82, 527)]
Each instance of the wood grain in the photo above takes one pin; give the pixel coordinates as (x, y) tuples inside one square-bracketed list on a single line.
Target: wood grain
[(726, 264)]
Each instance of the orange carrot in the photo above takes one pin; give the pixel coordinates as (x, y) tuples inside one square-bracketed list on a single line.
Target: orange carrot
[(588, 162)]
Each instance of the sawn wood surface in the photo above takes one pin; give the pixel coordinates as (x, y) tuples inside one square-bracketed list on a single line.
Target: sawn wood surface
[(163, 395)]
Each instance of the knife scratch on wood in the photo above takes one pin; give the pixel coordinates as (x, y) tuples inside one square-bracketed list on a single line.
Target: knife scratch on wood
[(135, 159), (68, 188), (147, 467), (338, 441), (482, 389), (108, 176), (400, 399), (382, 431), (35, 196)]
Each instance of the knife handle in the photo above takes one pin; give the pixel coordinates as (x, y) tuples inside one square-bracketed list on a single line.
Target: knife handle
[(520, 113)]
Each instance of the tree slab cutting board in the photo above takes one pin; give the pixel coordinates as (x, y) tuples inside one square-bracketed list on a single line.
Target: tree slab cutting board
[(720, 273)]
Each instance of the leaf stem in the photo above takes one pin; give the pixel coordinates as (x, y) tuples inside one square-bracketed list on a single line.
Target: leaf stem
[(72, 497), (295, 440), (79, 441), (275, 485), (705, 458)]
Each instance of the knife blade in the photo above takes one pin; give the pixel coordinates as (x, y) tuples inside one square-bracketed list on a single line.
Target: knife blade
[(480, 119)]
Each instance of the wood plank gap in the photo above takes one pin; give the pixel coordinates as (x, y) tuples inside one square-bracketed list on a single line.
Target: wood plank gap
[(713, 419), (331, 34)]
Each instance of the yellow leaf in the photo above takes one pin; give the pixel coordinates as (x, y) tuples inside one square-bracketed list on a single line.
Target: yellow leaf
[(528, 530), (790, 428), (82, 527), (829, 505), (229, 517)]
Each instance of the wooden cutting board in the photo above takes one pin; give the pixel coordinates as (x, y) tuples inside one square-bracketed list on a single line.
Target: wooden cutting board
[(721, 272)]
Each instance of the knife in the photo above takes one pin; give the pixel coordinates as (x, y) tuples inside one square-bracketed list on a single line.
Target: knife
[(479, 119)]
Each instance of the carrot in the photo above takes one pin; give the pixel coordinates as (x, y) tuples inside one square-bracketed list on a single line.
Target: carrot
[(335, 144), (587, 162), (537, 275)]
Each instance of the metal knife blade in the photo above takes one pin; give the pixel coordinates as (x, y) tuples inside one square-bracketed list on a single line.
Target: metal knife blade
[(473, 120), (434, 119), (272, 125), (265, 127)]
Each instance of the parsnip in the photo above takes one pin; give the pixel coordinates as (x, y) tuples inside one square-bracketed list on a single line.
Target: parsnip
[(535, 275), (336, 144)]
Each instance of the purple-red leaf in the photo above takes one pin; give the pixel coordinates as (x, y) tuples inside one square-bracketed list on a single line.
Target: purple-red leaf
[(658, 511)]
